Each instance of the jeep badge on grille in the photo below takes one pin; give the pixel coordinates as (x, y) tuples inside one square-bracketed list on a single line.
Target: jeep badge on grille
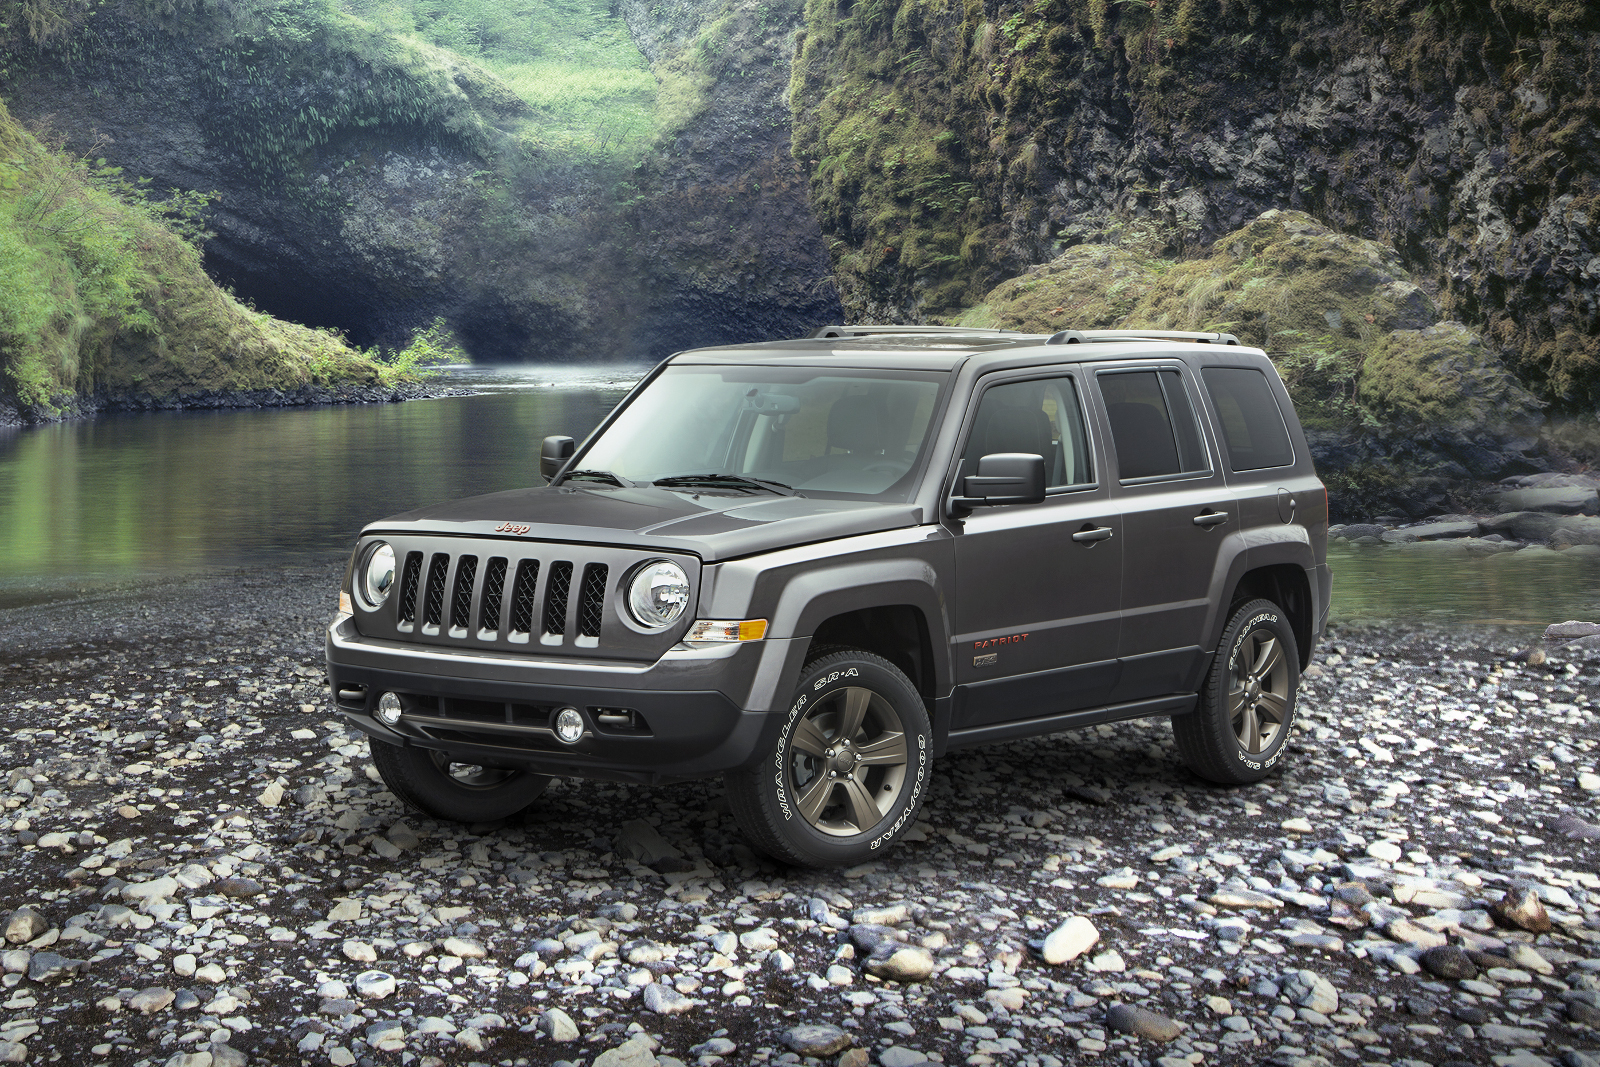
[(512, 528)]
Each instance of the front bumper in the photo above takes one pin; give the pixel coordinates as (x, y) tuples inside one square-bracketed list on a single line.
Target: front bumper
[(691, 714)]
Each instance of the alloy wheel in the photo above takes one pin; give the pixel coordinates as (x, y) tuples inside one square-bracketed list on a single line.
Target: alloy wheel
[(847, 761), (1258, 698)]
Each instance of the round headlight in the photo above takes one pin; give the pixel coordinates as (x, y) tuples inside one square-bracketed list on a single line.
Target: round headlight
[(377, 575), (658, 593)]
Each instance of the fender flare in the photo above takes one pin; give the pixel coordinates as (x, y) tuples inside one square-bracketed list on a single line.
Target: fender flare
[(1268, 548), (812, 597)]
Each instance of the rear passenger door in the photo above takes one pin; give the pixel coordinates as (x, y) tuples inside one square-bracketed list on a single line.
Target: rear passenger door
[(1176, 510)]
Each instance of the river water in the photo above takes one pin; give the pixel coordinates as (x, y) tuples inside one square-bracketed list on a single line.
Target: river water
[(125, 498)]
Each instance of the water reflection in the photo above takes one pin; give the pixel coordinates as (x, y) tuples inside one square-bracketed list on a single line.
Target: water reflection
[(1373, 583), (174, 492)]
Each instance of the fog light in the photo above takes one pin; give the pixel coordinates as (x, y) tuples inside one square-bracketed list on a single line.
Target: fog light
[(569, 725), (388, 709)]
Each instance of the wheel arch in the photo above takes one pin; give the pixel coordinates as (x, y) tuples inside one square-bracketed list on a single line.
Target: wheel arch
[(890, 607), (897, 632), (1288, 586)]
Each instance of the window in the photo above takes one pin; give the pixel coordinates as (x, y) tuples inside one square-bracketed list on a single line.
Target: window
[(1252, 424), (1041, 417), (1152, 424)]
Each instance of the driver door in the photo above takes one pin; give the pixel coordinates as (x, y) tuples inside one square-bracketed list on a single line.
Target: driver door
[(1037, 586)]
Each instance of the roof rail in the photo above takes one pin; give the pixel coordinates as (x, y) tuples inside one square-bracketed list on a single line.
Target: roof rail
[(1083, 337), (867, 331)]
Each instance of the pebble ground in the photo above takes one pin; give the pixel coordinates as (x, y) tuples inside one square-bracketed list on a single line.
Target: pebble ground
[(197, 866)]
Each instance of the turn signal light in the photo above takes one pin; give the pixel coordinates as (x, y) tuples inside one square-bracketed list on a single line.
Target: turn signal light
[(344, 604), (735, 630)]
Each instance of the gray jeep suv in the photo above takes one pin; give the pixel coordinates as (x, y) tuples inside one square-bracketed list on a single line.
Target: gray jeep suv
[(814, 566)]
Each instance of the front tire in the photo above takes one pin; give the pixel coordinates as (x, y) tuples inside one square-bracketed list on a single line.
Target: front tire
[(1246, 711), (435, 785), (849, 770)]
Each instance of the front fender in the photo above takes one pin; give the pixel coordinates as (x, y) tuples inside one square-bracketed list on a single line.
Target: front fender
[(796, 590)]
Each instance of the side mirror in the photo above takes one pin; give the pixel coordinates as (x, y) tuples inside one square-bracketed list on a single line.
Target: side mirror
[(553, 455), (1003, 478)]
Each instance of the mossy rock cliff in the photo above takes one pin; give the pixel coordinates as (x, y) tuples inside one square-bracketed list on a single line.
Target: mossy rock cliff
[(100, 299), (951, 145), (373, 181)]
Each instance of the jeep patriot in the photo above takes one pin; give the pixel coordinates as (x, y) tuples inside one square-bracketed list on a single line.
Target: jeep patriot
[(814, 566)]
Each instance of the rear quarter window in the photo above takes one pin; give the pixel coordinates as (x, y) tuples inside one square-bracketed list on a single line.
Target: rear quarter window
[(1253, 428)]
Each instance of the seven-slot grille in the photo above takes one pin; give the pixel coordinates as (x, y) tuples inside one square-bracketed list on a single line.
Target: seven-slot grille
[(497, 597)]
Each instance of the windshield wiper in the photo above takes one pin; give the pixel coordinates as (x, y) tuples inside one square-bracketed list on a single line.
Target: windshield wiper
[(599, 476), (732, 481)]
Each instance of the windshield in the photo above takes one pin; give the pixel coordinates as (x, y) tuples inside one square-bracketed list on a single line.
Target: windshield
[(852, 434)]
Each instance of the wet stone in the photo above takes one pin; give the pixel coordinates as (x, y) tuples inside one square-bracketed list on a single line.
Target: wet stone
[(1522, 908), (1448, 961), (900, 963), (1141, 1022), (1070, 940), (239, 887), (665, 1000), (24, 925), (375, 985), (816, 1039), (558, 1026), (52, 967), (151, 1000)]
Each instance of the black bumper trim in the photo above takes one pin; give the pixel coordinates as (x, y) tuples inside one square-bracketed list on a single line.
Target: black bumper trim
[(692, 734)]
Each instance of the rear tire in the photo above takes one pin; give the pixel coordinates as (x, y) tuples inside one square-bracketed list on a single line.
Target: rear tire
[(849, 770), (1246, 710), (435, 785)]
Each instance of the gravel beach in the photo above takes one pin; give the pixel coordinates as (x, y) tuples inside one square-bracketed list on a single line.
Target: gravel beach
[(199, 868)]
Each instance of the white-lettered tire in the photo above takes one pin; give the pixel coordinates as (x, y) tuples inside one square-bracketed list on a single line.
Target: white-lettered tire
[(849, 770), (1241, 725), (457, 792)]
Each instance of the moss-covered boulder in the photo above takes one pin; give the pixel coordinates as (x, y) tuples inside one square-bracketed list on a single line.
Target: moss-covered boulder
[(1316, 299), (1088, 287), (1392, 397), (1358, 342), (1442, 377)]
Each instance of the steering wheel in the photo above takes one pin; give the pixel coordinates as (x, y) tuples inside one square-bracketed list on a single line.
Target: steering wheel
[(887, 466)]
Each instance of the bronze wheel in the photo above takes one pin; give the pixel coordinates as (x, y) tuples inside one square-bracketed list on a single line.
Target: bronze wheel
[(847, 761), (1245, 711), (849, 769), (1258, 696)]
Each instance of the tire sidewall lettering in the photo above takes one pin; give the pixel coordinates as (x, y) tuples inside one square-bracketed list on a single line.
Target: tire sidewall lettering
[(780, 778), (1265, 763)]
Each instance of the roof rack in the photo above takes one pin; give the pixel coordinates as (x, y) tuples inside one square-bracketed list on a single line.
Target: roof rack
[(1083, 337), (867, 331)]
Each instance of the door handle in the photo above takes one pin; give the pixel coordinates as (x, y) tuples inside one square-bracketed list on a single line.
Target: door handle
[(1092, 534), (1211, 518)]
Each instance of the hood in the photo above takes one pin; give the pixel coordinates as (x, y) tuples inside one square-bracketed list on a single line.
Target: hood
[(712, 526)]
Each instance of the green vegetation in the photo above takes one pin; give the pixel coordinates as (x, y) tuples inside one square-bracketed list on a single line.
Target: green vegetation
[(432, 346), (952, 143), (100, 291), (588, 90), (1441, 376)]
